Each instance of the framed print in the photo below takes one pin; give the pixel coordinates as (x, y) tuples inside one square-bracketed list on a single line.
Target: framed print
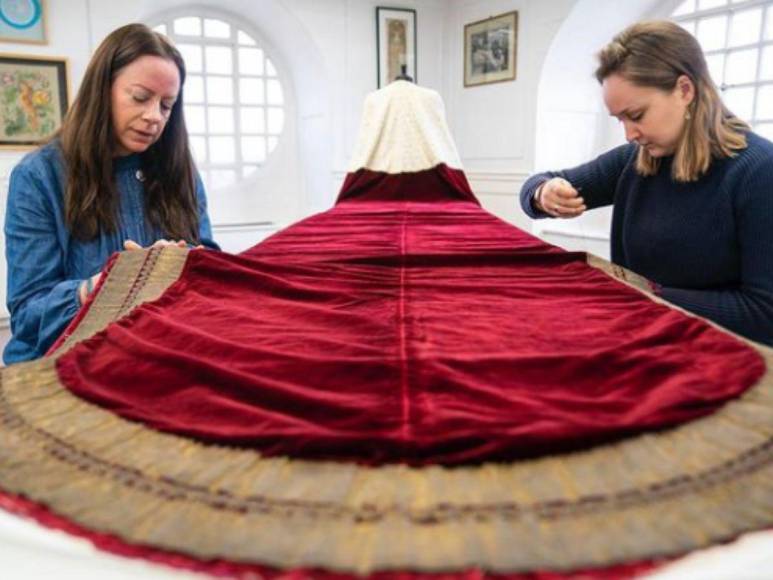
[(33, 99), (490, 50), (396, 41), (23, 21)]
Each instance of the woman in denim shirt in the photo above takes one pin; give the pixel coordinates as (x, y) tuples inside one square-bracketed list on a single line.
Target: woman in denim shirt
[(119, 175)]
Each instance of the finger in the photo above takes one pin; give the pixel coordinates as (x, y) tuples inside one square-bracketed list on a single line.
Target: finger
[(573, 202), (567, 192), (574, 212), (570, 211), (131, 245), (181, 244)]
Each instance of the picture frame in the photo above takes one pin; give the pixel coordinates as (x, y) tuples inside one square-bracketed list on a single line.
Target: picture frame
[(491, 50), (396, 44), (34, 96), (23, 21)]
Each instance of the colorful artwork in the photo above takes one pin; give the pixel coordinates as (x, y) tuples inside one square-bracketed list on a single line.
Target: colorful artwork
[(33, 99), (22, 21)]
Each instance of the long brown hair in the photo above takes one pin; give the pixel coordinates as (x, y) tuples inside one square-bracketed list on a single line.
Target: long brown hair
[(87, 140), (655, 54)]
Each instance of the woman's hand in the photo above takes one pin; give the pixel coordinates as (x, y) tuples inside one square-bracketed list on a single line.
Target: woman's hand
[(87, 287), (132, 245), (557, 197)]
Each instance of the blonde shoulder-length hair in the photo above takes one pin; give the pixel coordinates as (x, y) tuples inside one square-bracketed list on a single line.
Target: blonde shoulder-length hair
[(656, 54)]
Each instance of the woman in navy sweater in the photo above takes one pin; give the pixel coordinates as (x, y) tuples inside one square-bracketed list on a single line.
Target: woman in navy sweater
[(692, 191)]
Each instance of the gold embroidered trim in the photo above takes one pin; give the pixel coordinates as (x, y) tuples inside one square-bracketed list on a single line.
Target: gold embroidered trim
[(136, 277), (655, 495), (641, 283)]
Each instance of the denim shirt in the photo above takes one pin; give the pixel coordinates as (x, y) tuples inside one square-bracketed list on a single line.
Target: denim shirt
[(46, 265)]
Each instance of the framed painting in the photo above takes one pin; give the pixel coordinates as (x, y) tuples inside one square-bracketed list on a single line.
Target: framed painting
[(23, 21), (396, 41), (33, 99), (491, 50)]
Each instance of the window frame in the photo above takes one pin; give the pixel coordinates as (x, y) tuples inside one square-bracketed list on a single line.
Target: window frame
[(730, 8), (241, 169)]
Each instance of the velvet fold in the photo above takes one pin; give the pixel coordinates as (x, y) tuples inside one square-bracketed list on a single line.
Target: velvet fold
[(407, 324)]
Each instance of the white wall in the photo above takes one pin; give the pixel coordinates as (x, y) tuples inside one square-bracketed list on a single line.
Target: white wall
[(494, 125)]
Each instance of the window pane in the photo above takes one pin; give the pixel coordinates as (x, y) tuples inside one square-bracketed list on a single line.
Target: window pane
[(741, 66), (740, 101), (221, 178), (270, 70), (249, 170), (191, 54), (216, 28), (199, 149), (707, 4), (254, 149), (765, 103), (769, 24), (232, 138), (245, 38), (716, 64), (194, 119), (220, 91), (160, 28), (252, 120), (276, 120), (194, 89), (250, 61), (219, 60), (689, 26), (274, 93), (221, 119), (222, 150), (188, 26), (685, 8), (251, 91), (766, 68), (745, 27), (765, 129), (711, 32)]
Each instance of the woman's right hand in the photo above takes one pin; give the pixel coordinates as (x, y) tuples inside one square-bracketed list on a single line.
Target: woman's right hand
[(557, 197), (132, 245)]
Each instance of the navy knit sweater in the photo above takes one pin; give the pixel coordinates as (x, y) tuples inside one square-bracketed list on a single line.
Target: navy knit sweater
[(708, 243)]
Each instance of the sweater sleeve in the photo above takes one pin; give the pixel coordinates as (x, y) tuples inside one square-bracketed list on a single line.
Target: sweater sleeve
[(748, 308), (40, 299), (596, 180)]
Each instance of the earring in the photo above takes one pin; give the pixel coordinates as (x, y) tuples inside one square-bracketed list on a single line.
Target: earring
[(687, 115)]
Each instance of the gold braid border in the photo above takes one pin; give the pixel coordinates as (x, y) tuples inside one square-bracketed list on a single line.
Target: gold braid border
[(651, 496)]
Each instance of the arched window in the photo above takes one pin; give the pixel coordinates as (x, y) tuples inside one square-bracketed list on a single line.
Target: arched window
[(737, 39), (234, 102)]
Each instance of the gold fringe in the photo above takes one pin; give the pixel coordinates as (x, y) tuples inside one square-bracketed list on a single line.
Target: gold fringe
[(655, 495)]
